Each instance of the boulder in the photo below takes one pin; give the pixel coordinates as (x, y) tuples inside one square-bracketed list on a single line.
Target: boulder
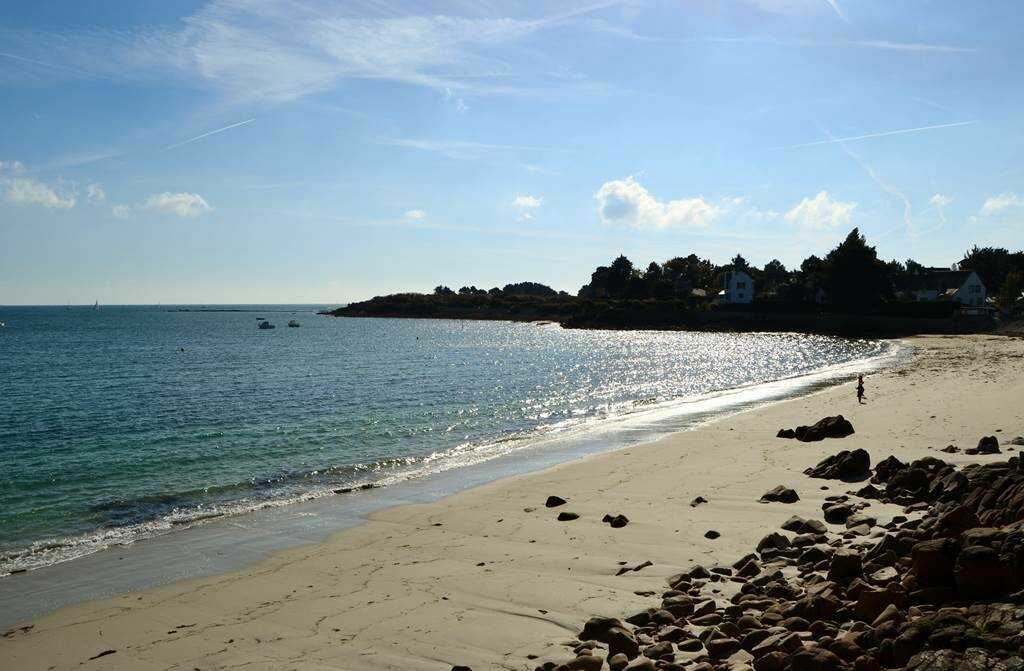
[(934, 562), (616, 521), (786, 433), (837, 513), (567, 517), (987, 445), (583, 663), (816, 659), (829, 427), (954, 522), (780, 494), (844, 565), (775, 541), (846, 465), (982, 574), (554, 502)]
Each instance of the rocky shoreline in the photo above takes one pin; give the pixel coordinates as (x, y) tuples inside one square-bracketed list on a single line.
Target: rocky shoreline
[(937, 588)]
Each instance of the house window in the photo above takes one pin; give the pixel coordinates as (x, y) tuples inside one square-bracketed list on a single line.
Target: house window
[(741, 285), (975, 289)]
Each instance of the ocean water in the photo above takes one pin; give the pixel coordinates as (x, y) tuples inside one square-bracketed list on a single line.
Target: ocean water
[(129, 422)]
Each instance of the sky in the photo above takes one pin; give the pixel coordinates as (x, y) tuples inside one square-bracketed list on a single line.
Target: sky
[(238, 151)]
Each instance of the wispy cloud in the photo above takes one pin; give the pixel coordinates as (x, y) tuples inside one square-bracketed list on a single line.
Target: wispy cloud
[(415, 215), (854, 138), (275, 51), (999, 204), (887, 45), (212, 132), (185, 205), (96, 193), (526, 204), (458, 149), (27, 191), (939, 202)]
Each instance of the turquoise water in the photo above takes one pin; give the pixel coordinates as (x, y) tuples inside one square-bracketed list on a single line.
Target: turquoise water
[(126, 422)]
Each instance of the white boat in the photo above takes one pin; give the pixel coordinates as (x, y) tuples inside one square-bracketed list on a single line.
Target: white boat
[(293, 324), (265, 325)]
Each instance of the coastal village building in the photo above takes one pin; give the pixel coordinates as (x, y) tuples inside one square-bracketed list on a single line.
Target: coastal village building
[(937, 284), (739, 288)]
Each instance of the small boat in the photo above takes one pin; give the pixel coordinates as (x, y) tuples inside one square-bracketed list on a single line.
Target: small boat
[(265, 325), (293, 324)]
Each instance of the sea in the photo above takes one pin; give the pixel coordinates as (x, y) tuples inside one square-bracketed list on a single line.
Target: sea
[(124, 424)]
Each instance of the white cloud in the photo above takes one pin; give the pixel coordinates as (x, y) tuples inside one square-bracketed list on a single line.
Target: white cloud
[(23, 191), (1001, 203), (121, 211), (96, 193), (625, 202), (525, 204), (415, 214), (821, 213), (179, 204)]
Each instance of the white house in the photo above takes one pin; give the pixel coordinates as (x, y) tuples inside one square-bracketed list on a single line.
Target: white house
[(739, 288), (960, 286)]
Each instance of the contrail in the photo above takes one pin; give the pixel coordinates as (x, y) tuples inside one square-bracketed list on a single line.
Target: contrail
[(871, 135), (887, 188), (54, 66), (212, 132), (838, 9)]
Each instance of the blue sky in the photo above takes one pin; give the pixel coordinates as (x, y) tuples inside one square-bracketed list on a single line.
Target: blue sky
[(263, 151)]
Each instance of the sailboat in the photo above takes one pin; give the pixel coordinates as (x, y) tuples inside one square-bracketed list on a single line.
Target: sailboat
[(96, 305)]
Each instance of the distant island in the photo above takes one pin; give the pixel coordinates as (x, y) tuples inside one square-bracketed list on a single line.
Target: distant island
[(850, 292)]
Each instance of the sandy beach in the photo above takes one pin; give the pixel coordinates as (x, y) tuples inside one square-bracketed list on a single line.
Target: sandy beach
[(488, 578)]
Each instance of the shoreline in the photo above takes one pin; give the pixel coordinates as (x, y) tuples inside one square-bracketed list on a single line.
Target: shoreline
[(400, 592), (519, 455)]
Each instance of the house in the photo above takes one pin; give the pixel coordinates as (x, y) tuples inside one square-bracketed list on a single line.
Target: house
[(739, 288), (938, 284)]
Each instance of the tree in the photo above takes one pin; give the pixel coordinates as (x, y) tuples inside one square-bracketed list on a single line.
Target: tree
[(773, 276), (855, 279), (740, 263), (441, 290), (992, 264), (1011, 290), (913, 267)]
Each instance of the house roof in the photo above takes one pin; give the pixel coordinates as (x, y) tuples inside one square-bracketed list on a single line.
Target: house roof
[(941, 281)]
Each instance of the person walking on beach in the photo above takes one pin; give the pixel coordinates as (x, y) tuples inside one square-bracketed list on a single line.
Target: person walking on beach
[(860, 389)]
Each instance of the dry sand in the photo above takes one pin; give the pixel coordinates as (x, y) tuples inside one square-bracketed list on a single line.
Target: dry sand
[(488, 577)]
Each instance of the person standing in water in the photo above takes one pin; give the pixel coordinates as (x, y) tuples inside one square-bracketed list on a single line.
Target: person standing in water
[(860, 389)]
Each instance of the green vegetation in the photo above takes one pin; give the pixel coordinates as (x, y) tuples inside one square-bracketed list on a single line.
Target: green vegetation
[(849, 291)]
